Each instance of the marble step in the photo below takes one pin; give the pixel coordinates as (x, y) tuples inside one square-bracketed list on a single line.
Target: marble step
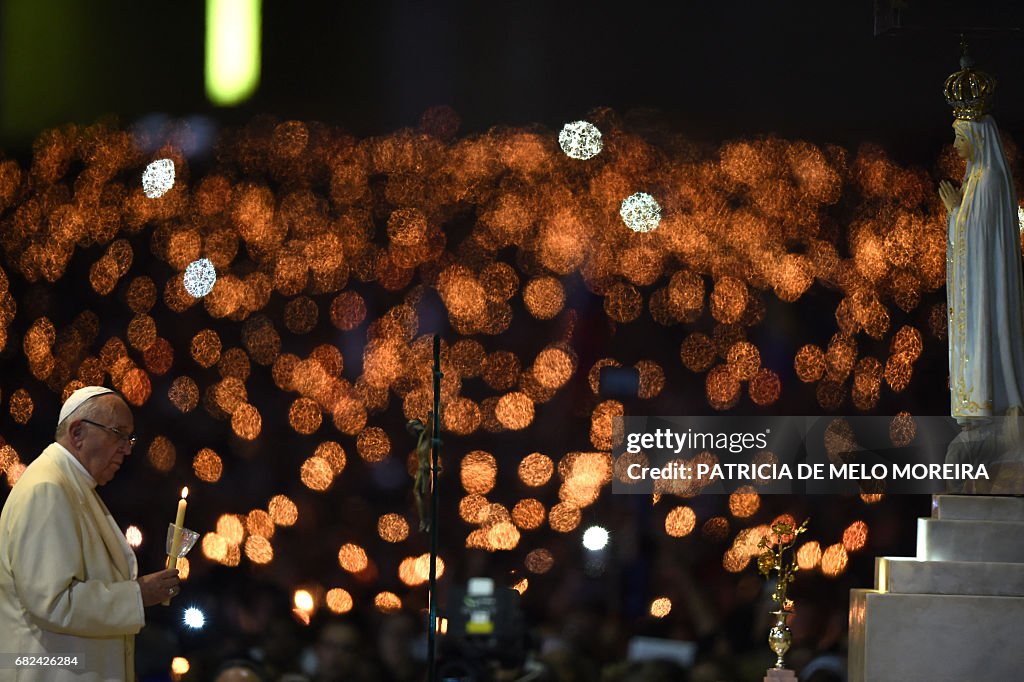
[(977, 508), (905, 575), (995, 541), (934, 638)]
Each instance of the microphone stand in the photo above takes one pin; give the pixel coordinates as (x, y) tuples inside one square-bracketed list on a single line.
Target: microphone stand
[(435, 451)]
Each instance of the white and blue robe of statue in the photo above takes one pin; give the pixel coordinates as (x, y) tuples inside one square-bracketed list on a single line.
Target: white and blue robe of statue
[(983, 284)]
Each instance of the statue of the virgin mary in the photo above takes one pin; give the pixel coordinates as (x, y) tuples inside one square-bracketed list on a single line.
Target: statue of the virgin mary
[(983, 261)]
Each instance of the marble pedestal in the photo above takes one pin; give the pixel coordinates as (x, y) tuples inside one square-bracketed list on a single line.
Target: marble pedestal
[(955, 611)]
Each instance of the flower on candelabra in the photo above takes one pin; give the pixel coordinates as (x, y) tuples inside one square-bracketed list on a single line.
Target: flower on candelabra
[(772, 559)]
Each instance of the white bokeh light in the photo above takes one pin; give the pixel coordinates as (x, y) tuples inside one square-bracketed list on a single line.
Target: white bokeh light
[(133, 535), (158, 178), (303, 600), (1020, 218), (580, 140), (200, 276), (595, 538), (194, 618), (640, 212)]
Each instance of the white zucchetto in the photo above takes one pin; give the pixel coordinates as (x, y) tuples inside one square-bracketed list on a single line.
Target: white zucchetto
[(76, 399)]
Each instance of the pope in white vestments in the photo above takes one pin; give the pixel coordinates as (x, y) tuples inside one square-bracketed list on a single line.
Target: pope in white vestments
[(69, 583)]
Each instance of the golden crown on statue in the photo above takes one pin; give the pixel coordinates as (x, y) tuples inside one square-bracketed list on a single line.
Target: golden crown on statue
[(969, 91)]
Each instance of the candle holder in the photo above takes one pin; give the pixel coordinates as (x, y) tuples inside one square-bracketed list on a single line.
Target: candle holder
[(773, 559), (179, 541), (780, 637), (186, 542)]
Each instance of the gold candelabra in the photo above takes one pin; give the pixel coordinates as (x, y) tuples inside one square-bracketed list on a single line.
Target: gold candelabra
[(773, 558)]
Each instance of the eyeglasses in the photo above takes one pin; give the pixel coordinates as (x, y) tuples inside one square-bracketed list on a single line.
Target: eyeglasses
[(128, 438)]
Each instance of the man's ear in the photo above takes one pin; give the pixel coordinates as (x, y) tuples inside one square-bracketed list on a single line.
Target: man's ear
[(75, 431)]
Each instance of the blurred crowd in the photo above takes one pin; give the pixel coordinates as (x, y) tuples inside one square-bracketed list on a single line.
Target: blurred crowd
[(717, 633)]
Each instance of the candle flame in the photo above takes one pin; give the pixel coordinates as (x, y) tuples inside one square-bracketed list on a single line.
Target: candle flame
[(184, 492)]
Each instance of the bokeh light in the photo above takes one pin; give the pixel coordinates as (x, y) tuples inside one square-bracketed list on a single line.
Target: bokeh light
[(539, 561), (207, 466), (352, 558), (744, 502), (535, 469), (282, 510), (180, 665), (158, 178), (478, 472), (834, 560), (199, 278), (338, 600), (528, 514), (514, 410), (161, 454), (258, 549), (640, 212), (246, 422), (544, 297), (387, 602), (855, 536), (564, 518), (661, 607), (595, 538), (392, 528), (809, 555), (316, 474), (715, 529), (206, 347), (680, 522), (373, 444), (184, 394), (580, 140)]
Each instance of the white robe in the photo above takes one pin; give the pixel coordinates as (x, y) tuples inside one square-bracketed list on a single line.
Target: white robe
[(66, 582), (983, 284)]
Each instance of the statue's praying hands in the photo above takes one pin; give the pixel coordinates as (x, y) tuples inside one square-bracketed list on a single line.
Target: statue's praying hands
[(951, 195)]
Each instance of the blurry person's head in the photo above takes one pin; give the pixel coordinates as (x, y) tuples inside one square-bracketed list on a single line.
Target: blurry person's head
[(281, 643), (240, 671), (337, 649), (395, 637)]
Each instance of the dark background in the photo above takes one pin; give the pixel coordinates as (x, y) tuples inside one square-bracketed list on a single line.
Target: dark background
[(813, 70)]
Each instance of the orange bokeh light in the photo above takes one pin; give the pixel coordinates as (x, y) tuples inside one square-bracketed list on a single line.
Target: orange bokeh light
[(207, 466), (539, 561), (392, 528), (282, 510), (316, 474), (528, 514), (514, 411), (338, 600), (855, 536), (478, 472), (680, 522), (373, 444), (352, 558)]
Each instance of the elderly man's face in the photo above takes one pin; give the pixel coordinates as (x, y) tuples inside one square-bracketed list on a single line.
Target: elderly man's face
[(101, 437)]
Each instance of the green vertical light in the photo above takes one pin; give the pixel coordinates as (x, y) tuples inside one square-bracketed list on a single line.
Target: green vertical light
[(232, 50)]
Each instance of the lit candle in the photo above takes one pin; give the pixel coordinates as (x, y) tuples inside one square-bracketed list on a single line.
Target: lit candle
[(179, 523)]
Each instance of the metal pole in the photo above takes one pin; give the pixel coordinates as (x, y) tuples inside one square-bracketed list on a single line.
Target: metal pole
[(435, 451)]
